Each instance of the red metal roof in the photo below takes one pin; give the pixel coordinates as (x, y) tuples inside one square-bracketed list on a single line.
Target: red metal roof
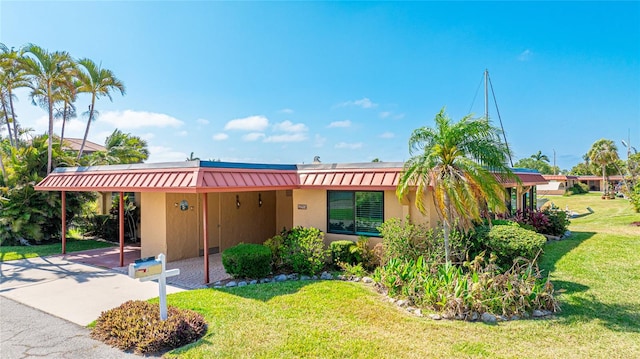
[(178, 180), (229, 177), (371, 178)]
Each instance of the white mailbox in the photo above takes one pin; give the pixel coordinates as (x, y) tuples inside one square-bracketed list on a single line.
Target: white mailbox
[(145, 267), (154, 268)]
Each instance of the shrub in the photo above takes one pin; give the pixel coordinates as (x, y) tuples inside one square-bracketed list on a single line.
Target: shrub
[(136, 326), (303, 250), (343, 252), (405, 241), (578, 188), (635, 197), (365, 255), (247, 260), (465, 292), (558, 222), (275, 244), (509, 242), (355, 270)]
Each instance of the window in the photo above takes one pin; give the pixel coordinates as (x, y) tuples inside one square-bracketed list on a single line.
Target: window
[(355, 212)]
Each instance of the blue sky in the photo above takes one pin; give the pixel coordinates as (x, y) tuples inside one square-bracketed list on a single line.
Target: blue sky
[(282, 82)]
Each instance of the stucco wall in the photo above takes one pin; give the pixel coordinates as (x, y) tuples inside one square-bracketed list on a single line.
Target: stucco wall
[(153, 228), (284, 210)]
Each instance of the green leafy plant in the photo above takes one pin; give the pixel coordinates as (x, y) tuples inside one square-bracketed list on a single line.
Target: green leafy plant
[(344, 251), (508, 243), (247, 260), (136, 326), (275, 244), (353, 270), (303, 250)]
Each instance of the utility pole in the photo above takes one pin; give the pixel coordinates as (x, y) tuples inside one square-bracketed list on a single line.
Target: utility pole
[(554, 162)]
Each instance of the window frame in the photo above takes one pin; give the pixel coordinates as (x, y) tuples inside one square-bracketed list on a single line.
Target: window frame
[(355, 231)]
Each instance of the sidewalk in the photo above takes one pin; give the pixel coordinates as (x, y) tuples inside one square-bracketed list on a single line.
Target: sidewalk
[(72, 291)]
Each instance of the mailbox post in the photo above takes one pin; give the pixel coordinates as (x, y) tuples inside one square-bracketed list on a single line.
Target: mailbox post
[(151, 268)]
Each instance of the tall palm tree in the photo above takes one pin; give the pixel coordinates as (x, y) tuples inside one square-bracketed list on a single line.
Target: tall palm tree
[(540, 157), (602, 153), (48, 72), (463, 162), (98, 82), (13, 76), (4, 111)]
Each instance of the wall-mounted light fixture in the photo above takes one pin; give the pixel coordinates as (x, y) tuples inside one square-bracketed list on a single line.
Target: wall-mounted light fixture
[(237, 201), (259, 200)]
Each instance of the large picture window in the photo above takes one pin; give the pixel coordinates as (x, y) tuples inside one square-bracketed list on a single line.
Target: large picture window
[(355, 212)]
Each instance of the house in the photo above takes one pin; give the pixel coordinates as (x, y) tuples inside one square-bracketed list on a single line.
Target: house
[(89, 147), (557, 184), (194, 208)]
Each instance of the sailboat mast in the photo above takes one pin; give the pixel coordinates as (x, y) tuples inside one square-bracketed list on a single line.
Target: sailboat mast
[(486, 94)]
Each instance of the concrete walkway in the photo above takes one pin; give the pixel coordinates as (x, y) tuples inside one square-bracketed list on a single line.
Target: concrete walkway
[(29, 333), (72, 291)]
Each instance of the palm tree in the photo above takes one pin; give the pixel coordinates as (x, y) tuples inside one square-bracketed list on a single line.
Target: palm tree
[(192, 157), (98, 82), (602, 153), (68, 110), (540, 157), (126, 148), (463, 162), (12, 76), (48, 72)]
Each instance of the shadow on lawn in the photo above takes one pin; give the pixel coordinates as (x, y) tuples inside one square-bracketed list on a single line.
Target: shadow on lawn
[(576, 303), (555, 250), (267, 291)]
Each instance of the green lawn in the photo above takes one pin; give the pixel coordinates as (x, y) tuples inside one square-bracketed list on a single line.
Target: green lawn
[(596, 272), (9, 253)]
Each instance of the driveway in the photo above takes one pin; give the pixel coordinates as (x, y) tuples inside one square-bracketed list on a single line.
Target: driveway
[(29, 333), (72, 291)]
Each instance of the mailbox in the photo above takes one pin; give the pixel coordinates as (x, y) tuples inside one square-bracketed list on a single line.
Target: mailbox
[(145, 267)]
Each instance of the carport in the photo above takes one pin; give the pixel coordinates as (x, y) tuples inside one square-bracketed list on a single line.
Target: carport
[(184, 200)]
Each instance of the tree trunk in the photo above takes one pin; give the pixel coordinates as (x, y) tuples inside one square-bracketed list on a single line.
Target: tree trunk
[(604, 182), (6, 118), (15, 122), (4, 172), (50, 142), (86, 132), (446, 225), (64, 121)]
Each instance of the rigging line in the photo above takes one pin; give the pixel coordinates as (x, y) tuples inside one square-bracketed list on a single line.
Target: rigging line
[(504, 135), (476, 95)]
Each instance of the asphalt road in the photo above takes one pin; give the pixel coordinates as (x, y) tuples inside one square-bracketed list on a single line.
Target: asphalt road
[(26, 332)]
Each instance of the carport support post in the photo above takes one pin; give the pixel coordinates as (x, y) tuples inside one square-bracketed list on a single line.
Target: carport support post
[(64, 222), (121, 225), (205, 235)]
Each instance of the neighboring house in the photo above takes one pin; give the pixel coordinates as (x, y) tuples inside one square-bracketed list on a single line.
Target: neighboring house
[(194, 208), (595, 182), (89, 147), (557, 184)]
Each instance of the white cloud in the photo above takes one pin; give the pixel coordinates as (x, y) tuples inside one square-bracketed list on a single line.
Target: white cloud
[(387, 135), (363, 102), (202, 121), (389, 114), (182, 133), (319, 141), (288, 126), (150, 135), (290, 137), (130, 119), (350, 146), (253, 136), (525, 55), (165, 154), (251, 123), (345, 123), (220, 136), (286, 110)]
